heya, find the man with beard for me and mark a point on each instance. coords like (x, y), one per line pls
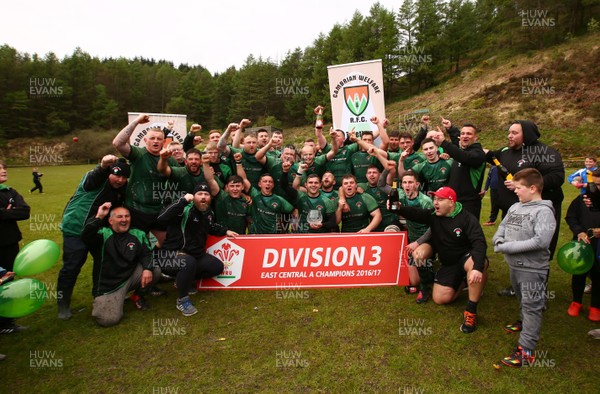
(524, 150)
(327, 186)
(468, 167)
(197, 169)
(183, 255)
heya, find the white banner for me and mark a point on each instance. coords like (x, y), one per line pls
(356, 93)
(179, 129)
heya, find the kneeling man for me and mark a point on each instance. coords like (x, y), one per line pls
(458, 239)
(122, 263)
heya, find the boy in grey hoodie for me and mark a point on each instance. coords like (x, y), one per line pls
(524, 237)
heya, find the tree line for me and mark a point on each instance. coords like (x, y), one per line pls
(420, 43)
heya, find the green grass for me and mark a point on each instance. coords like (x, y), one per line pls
(345, 340)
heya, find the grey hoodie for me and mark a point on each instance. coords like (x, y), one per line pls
(525, 234)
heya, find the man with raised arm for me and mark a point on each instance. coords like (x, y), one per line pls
(143, 197)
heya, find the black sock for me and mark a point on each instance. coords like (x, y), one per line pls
(471, 307)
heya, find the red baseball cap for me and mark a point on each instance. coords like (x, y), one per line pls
(445, 192)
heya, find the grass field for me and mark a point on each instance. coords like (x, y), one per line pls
(347, 340)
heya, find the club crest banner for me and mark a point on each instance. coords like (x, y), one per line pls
(178, 132)
(309, 261)
(356, 93)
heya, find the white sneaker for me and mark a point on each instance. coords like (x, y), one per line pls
(595, 333)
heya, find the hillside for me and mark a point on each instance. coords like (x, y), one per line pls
(559, 88)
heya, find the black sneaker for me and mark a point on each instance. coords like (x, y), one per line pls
(165, 278)
(140, 302)
(469, 322)
(519, 358)
(157, 292)
(507, 292)
(9, 329)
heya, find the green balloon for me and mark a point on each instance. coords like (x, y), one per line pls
(36, 257)
(576, 258)
(21, 297)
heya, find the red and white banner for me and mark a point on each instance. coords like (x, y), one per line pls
(178, 133)
(356, 93)
(309, 261)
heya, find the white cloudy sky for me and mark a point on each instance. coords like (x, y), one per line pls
(215, 34)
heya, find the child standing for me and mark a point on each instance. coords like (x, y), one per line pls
(524, 237)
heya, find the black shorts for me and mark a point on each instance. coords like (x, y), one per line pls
(453, 275)
(145, 221)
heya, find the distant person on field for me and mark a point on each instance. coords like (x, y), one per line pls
(36, 180)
